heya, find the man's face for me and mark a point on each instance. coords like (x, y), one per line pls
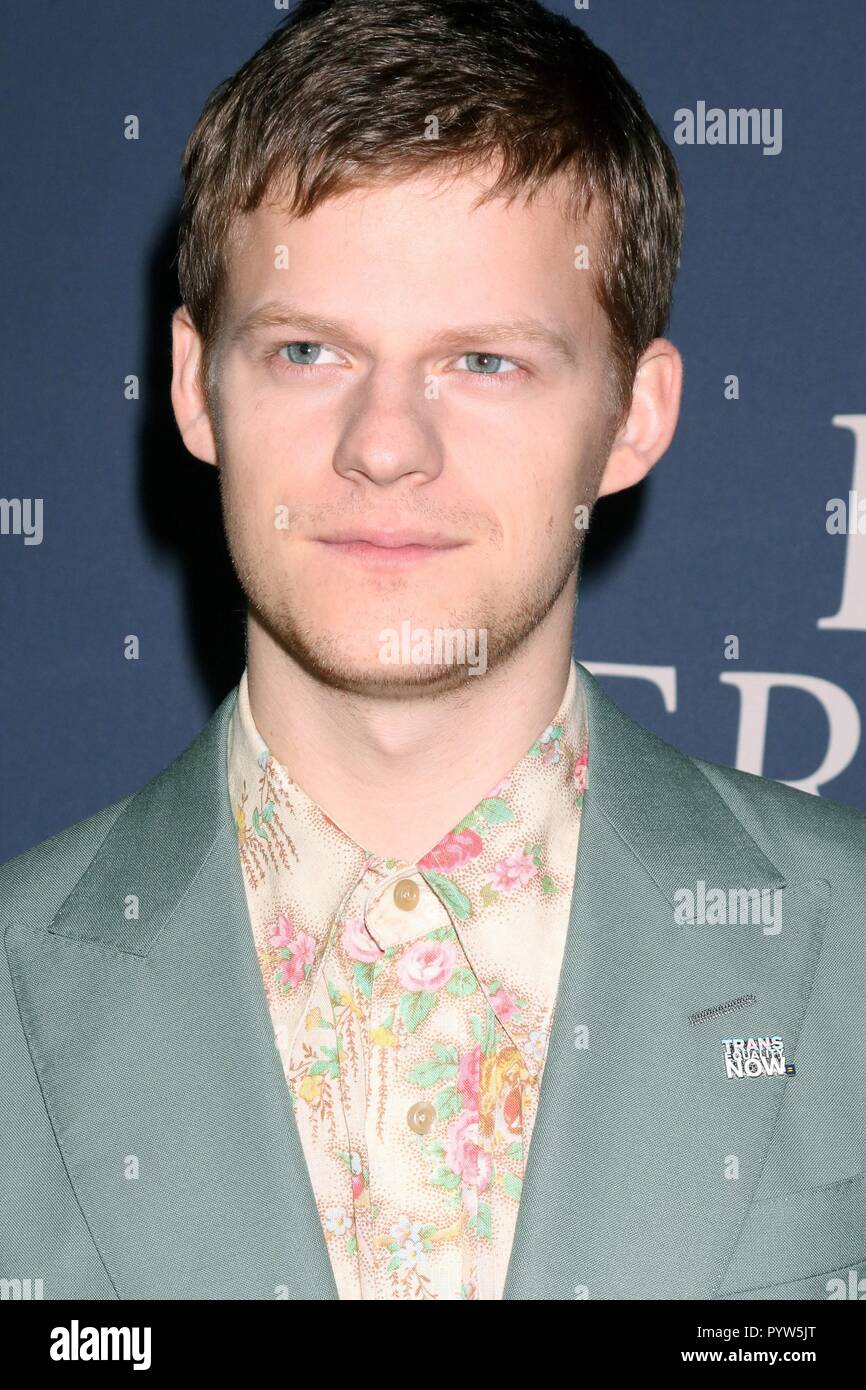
(405, 417)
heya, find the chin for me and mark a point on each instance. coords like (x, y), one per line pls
(338, 655)
(361, 676)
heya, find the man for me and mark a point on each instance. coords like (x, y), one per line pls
(425, 973)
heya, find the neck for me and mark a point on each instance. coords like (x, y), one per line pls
(396, 775)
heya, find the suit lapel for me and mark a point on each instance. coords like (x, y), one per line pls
(156, 1055)
(626, 1194)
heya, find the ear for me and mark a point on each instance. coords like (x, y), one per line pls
(187, 395)
(651, 421)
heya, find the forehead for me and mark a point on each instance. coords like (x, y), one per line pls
(420, 249)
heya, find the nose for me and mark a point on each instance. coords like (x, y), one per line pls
(391, 431)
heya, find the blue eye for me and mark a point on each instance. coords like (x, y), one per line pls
(489, 361)
(308, 353)
(303, 349)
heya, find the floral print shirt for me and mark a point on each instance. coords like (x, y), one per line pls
(412, 1006)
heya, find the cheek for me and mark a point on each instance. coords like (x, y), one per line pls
(255, 425)
(542, 520)
(257, 467)
(535, 505)
(251, 504)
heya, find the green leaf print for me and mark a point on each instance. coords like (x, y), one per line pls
(441, 934)
(483, 1222)
(494, 810)
(331, 1069)
(449, 893)
(268, 812)
(484, 1033)
(448, 1103)
(514, 1150)
(427, 1072)
(491, 811)
(431, 1071)
(512, 1186)
(364, 978)
(330, 1063)
(462, 982)
(414, 1008)
(257, 825)
(446, 1178)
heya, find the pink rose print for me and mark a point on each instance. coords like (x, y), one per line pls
(427, 965)
(282, 933)
(358, 943)
(504, 1003)
(499, 788)
(580, 767)
(463, 1154)
(515, 870)
(453, 851)
(302, 947)
(469, 1077)
(290, 972)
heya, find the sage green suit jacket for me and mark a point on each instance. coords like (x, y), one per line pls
(144, 1044)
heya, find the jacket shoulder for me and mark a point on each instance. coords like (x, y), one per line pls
(34, 885)
(799, 831)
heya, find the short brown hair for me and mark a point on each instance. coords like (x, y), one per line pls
(342, 94)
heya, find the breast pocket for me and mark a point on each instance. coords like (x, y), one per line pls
(797, 1245)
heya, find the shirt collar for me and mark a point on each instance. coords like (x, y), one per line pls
(499, 867)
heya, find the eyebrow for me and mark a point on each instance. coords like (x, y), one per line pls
(277, 314)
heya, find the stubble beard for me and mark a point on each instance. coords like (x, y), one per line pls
(509, 618)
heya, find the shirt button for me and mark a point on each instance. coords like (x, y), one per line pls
(406, 894)
(420, 1117)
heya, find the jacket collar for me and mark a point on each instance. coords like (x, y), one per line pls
(150, 1032)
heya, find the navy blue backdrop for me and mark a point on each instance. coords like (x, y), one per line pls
(728, 538)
